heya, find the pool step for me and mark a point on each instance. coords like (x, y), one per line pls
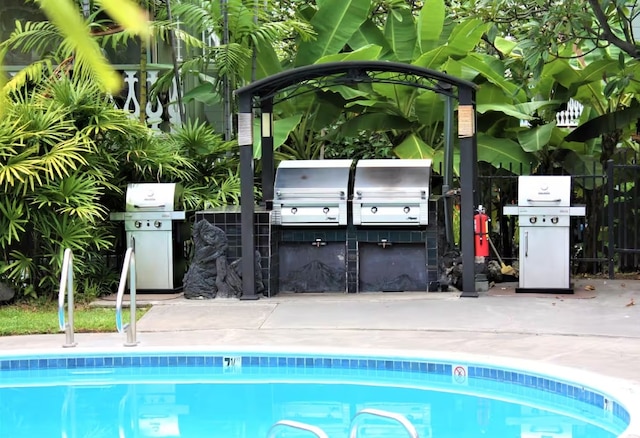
(353, 430)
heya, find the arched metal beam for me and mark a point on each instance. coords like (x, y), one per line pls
(355, 71)
(352, 72)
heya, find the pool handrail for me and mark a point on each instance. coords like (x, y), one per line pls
(128, 271)
(410, 428)
(66, 288)
(319, 433)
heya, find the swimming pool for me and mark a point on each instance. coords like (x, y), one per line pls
(243, 392)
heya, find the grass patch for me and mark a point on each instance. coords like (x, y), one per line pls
(31, 319)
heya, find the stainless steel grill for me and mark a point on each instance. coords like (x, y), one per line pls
(311, 193)
(150, 212)
(391, 192)
(544, 212)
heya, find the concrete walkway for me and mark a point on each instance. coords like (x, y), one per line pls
(597, 329)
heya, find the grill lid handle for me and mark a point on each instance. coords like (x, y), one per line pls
(543, 200)
(149, 206)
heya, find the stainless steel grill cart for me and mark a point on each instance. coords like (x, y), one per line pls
(149, 216)
(544, 211)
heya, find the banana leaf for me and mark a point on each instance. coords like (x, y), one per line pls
(401, 35)
(281, 130)
(430, 24)
(534, 139)
(334, 23)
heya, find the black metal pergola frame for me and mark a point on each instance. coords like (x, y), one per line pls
(261, 94)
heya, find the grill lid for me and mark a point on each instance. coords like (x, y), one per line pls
(312, 179)
(544, 191)
(392, 178)
(153, 197)
(391, 192)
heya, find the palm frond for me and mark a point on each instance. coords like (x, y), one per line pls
(199, 16)
(77, 195)
(34, 73)
(62, 158)
(40, 37)
(20, 173)
(13, 220)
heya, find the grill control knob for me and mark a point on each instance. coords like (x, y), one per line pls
(554, 220)
(325, 210)
(137, 224)
(374, 210)
(533, 219)
(294, 210)
(157, 224)
(407, 209)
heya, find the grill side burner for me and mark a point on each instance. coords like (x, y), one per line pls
(391, 192)
(544, 214)
(311, 193)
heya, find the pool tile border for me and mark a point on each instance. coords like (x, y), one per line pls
(243, 361)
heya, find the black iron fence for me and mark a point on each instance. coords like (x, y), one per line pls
(623, 236)
(605, 241)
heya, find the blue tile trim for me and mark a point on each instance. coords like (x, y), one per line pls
(440, 369)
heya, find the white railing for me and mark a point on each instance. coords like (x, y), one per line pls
(128, 273)
(570, 117)
(66, 288)
(154, 109)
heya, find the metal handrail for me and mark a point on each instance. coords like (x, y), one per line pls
(410, 428)
(128, 270)
(66, 287)
(297, 425)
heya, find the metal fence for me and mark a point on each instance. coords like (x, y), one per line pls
(606, 241)
(623, 176)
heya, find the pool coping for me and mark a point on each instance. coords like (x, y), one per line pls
(626, 393)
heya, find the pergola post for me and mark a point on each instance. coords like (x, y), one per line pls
(247, 201)
(468, 180)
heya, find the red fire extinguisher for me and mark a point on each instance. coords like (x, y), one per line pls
(481, 227)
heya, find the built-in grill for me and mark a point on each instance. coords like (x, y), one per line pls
(391, 213)
(150, 212)
(391, 192)
(311, 193)
(544, 211)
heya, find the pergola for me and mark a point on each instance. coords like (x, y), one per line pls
(262, 95)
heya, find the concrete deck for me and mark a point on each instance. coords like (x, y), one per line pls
(596, 330)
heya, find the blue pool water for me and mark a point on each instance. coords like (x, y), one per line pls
(244, 394)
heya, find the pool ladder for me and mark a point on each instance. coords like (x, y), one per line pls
(67, 289)
(128, 272)
(353, 430)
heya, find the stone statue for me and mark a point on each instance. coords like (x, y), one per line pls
(210, 275)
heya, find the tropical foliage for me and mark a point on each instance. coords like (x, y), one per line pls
(66, 153)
